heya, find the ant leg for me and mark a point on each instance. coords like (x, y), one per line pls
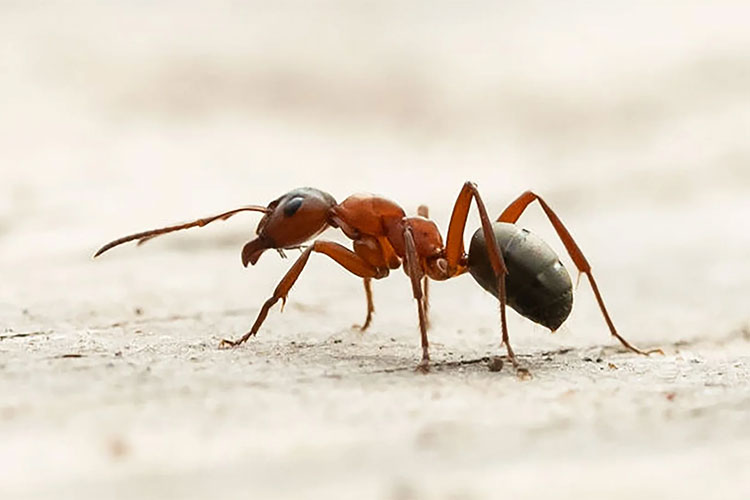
(370, 304)
(342, 255)
(455, 254)
(426, 300)
(511, 215)
(424, 211)
(414, 270)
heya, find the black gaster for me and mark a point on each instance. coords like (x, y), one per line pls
(538, 286)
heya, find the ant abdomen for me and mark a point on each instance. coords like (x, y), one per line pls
(538, 286)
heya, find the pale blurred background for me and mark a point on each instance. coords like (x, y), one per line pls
(631, 118)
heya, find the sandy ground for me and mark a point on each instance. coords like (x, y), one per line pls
(632, 120)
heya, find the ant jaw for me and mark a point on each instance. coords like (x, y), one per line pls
(252, 251)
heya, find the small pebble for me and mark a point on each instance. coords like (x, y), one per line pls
(495, 364)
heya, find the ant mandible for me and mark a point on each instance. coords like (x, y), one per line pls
(384, 238)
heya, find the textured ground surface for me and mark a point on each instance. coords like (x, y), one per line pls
(632, 121)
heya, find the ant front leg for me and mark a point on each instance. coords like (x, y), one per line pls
(342, 255)
(414, 270)
(456, 255)
(424, 211)
(511, 215)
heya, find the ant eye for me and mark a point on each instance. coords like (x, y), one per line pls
(291, 206)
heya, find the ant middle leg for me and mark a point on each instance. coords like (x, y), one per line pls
(371, 252)
(342, 255)
(370, 304)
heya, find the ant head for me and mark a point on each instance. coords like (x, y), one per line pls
(291, 220)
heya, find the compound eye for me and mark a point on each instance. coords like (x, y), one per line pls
(291, 206)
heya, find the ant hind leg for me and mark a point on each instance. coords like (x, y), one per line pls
(511, 215)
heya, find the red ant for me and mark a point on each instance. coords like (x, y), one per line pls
(384, 238)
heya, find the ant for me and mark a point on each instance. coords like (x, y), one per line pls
(525, 275)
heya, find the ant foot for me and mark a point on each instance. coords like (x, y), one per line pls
(367, 322)
(362, 328)
(645, 353)
(636, 350)
(523, 373)
(654, 351)
(227, 344)
(423, 367)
